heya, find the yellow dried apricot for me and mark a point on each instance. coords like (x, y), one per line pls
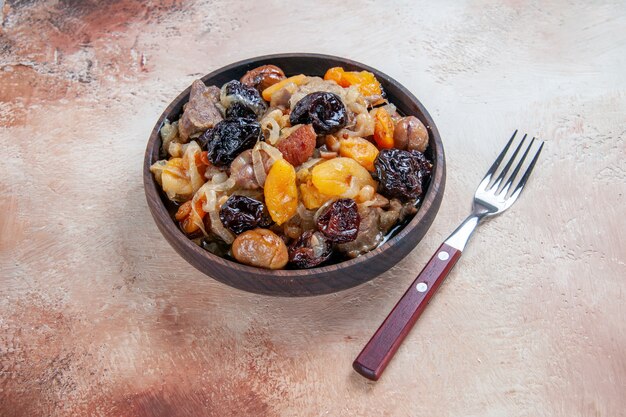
(365, 81)
(341, 177)
(383, 128)
(281, 193)
(361, 150)
(311, 196)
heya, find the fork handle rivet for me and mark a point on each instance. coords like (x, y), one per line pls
(444, 256)
(421, 287)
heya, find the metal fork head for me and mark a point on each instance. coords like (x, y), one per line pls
(497, 193)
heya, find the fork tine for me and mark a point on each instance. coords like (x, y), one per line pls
(529, 170)
(499, 159)
(506, 169)
(509, 182)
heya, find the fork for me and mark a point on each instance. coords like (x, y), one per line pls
(494, 194)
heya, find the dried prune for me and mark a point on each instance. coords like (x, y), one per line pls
(401, 174)
(339, 222)
(240, 111)
(324, 110)
(235, 92)
(229, 138)
(309, 250)
(240, 213)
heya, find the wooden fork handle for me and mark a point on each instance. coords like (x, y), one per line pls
(375, 356)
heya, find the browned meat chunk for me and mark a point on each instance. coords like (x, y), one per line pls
(375, 224)
(299, 146)
(201, 112)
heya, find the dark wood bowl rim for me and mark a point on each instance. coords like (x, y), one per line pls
(173, 232)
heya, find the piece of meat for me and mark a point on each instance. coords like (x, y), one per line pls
(299, 145)
(369, 235)
(282, 96)
(376, 222)
(201, 112)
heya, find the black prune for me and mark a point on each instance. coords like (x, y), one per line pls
(240, 213)
(325, 111)
(240, 111)
(235, 92)
(309, 250)
(340, 221)
(229, 138)
(401, 174)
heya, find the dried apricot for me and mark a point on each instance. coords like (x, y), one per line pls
(383, 128)
(361, 150)
(190, 215)
(311, 196)
(281, 193)
(365, 81)
(342, 177)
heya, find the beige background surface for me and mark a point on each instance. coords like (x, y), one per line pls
(100, 317)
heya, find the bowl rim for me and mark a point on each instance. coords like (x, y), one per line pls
(159, 211)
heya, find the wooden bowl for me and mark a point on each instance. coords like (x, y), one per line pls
(321, 280)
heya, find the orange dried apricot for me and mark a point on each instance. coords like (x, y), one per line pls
(365, 81)
(189, 219)
(383, 129)
(361, 150)
(341, 177)
(281, 193)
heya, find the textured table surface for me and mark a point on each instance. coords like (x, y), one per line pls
(100, 317)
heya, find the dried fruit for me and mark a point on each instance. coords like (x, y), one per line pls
(311, 197)
(263, 77)
(180, 178)
(309, 250)
(240, 111)
(234, 92)
(383, 128)
(366, 82)
(325, 111)
(401, 174)
(341, 177)
(410, 134)
(361, 150)
(339, 222)
(281, 194)
(229, 138)
(241, 213)
(269, 91)
(298, 146)
(261, 248)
